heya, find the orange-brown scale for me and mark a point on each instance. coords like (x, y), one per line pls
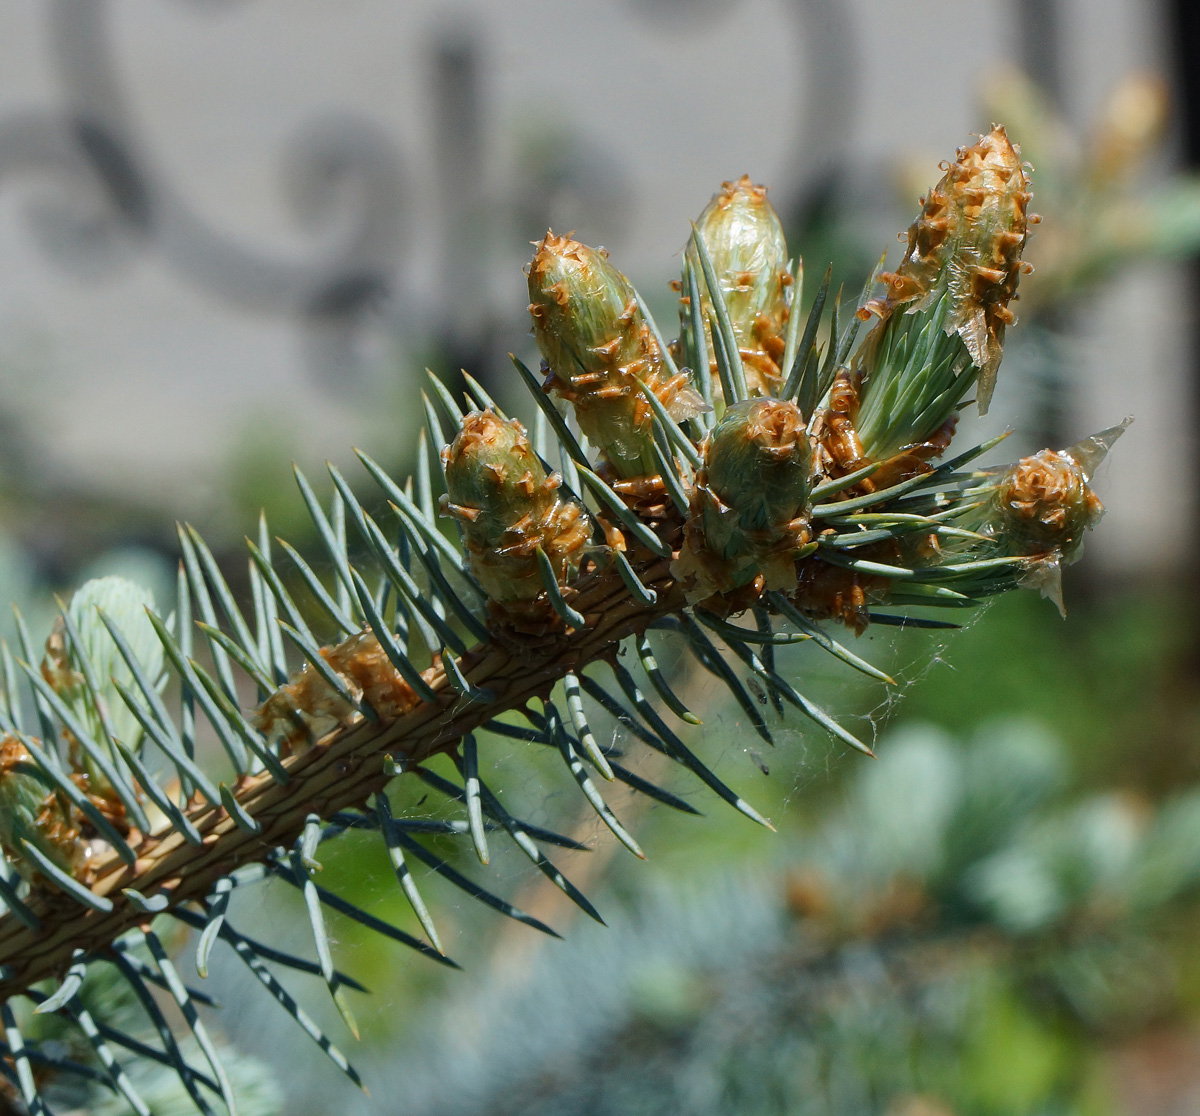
(646, 495)
(106, 801)
(840, 449)
(56, 820)
(306, 707)
(825, 592)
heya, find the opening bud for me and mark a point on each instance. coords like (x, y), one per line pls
(959, 274)
(748, 521)
(1042, 506)
(1043, 503)
(507, 508)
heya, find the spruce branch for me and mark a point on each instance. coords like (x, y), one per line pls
(341, 773)
(687, 495)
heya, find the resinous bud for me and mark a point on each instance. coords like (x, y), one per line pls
(597, 346)
(966, 246)
(744, 239)
(507, 507)
(749, 510)
(30, 811)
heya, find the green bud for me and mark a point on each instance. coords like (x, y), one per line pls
(749, 507)
(597, 346)
(745, 241)
(507, 507)
(31, 811)
(125, 605)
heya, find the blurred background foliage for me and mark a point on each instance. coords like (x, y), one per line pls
(998, 916)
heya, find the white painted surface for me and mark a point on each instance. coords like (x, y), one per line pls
(141, 379)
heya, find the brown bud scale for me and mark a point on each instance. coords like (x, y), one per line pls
(307, 707)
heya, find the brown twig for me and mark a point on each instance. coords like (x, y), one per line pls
(341, 772)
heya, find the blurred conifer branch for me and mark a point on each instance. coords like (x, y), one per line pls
(991, 938)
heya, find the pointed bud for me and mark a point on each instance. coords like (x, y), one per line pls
(960, 271)
(597, 346)
(125, 605)
(31, 811)
(750, 503)
(1042, 506)
(744, 238)
(1043, 503)
(507, 507)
